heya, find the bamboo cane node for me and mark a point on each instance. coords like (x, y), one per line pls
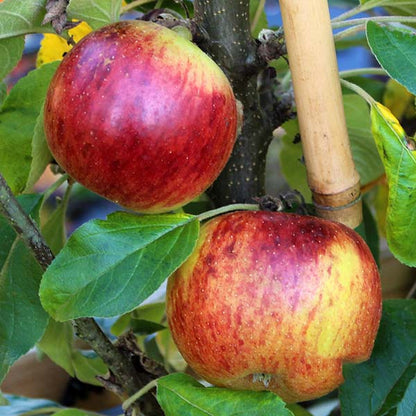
(338, 208)
(344, 207)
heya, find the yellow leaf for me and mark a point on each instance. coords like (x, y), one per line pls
(53, 47)
(391, 119)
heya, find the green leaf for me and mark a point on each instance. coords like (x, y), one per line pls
(58, 344)
(109, 267)
(385, 382)
(3, 92)
(3, 400)
(171, 5)
(53, 229)
(407, 406)
(398, 100)
(11, 51)
(400, 166)
(41, 155)
(291, 160)
(298, 410)
(364, 151)
(23, 320)
(394, 49)
(96, 13)
(180, 394)
(369, 231)
(88, 366)
(18, 120)
(74, 412)
(21, 406)
(22, 17)
(145, 319)
(258, 17)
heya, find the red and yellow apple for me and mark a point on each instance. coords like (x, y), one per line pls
(275, 301)
(141, 116)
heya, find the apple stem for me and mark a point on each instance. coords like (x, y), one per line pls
(227, 208)
(136, 396)
(358, 90)
(332, 177)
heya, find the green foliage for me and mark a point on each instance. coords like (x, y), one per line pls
(41, 156)
(258, 17)
(96, 13)
(392, 45)
(3, 92)
(395, 7)
(400, 165)
(54, 229)
(109, 267)
(385, 384)
(369, 231)
(58, 344)
(144, 320)
(11, 52)
(74, 412)
(19, 122)
(364, 151)
(19, 18)
(180, 394)
(291, 159)
(298, 410)
(22, 406)
(170, 5)
(23, 320)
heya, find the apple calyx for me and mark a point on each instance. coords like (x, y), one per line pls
(264, 378)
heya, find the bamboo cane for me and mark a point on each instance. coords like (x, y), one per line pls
(332, 177)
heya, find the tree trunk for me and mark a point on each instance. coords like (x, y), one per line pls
(227, 28)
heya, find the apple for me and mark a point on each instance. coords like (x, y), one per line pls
(275, 301)
(141, 116)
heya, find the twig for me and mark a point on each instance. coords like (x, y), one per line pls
(358, 90)
(364, 20)
(149, 386)
(362, 71)
(86, 328)
(381, 180)
(24, 225)
(411, 292)
(227, 208)
(134, 4)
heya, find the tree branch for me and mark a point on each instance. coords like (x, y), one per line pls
(228, 40)
(24, 225)
(119, 363)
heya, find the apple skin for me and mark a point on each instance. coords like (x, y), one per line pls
(275, 301)
(141, 116)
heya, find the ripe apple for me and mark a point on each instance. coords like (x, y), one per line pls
(275, 301)
(141, 116)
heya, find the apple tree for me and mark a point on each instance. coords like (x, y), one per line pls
(184, 112)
